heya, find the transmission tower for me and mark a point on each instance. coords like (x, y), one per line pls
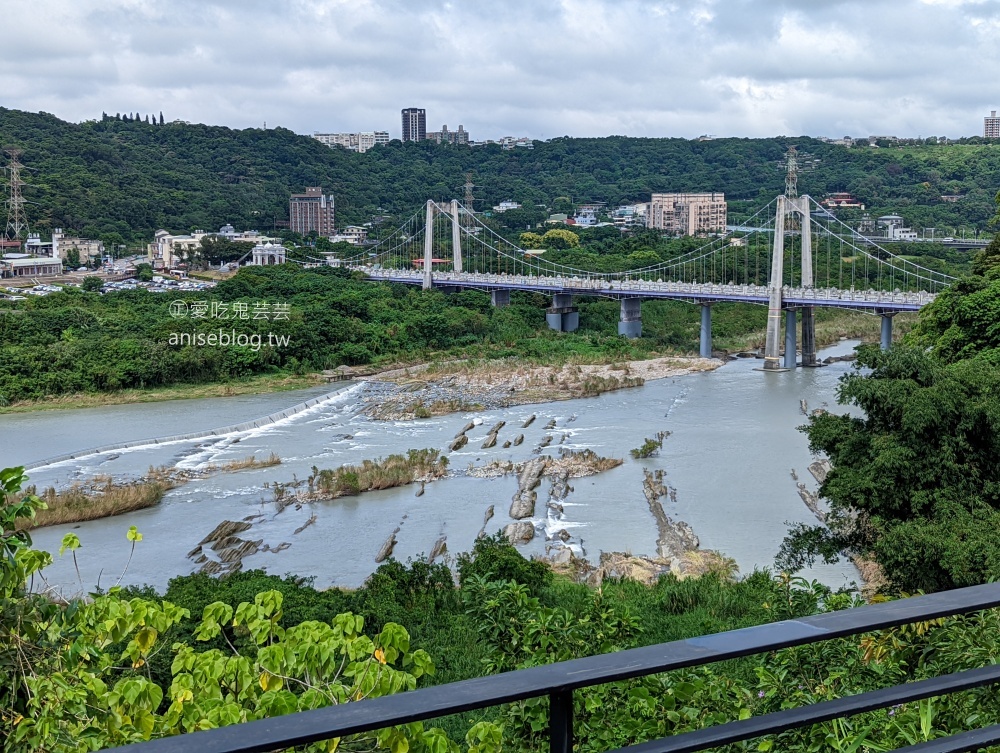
(791, 186)
(469, 185)
(791, 174)
(17, 222)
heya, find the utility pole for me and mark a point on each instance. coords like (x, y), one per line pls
(17, 222)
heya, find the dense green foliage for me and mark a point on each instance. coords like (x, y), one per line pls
(131, 665)
(915, 480)
(122, 180)
(83, 342)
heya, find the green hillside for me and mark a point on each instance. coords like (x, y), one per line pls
(114, 176)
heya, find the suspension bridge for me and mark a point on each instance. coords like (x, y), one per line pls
(791, 256)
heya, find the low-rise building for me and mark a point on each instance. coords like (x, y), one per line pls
(842, 200)
(356, 235)
(27, 265)
(167, 250)
(687, 213)
(503, 206)
(892, 226)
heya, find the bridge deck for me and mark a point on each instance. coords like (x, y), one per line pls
(688, 291)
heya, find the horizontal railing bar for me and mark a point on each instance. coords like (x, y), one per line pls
(304, 727)
(803, 716)
(963, 742)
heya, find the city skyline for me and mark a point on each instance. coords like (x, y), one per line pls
(576, 67)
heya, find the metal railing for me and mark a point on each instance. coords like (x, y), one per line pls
(558, 681)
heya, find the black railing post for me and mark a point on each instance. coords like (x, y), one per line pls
(561, 721)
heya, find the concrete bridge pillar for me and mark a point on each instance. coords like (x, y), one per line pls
(886, 342)
(630, 324)
(705, 351)
(790, 338)
(500, 298)
(562, 316)
(809, 336)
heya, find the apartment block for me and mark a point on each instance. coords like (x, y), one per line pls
(354, 142)
(310, 211)
(414, 124)
(444, 136)
(687, 213)
(991, 126)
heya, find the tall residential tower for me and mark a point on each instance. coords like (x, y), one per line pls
(414, 124)
(311, 211)
(991, 126)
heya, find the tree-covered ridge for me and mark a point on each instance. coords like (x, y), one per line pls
(133, 177)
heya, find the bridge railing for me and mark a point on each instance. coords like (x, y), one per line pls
(559, 681)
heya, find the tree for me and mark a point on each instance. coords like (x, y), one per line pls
(144, 272)
(560, 238)
(73, 258)
(914, 482)
(530, 240)
(76, 677)
(92, 284)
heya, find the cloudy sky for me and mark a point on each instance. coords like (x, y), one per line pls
(539, 68)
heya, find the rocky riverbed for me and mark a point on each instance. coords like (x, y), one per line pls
(437, 389)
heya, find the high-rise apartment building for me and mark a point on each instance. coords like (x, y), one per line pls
(991, 126)
(414, 124)
(687, 213)
(444, 136)
(310, 211)
(355, 142)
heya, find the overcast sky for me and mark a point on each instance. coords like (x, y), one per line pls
(538, 68)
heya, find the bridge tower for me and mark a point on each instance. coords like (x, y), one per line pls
(452, 213)
(792, 215)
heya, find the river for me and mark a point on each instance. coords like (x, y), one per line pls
(733, 444)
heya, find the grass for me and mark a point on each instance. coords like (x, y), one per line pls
(102, 498)
(384, 473)
(244, 464)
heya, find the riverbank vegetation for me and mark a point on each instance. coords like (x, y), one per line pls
(132, 664)
(383, 473)
(75, 342)
(915, 485)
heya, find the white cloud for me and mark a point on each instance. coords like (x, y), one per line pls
(541, 68)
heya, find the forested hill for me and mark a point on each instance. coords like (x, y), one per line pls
(131, 178)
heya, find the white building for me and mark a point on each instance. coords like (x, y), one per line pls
(354, 142)
(167, 251)
(267, 254)
(353, 234)
(503, 206)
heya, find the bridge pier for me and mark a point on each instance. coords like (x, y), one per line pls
(630, 324)
(809, 336)
(500, 298)
(428, 281)
(562, 316)
(790, 338)
(705, 351)
(886, 341)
